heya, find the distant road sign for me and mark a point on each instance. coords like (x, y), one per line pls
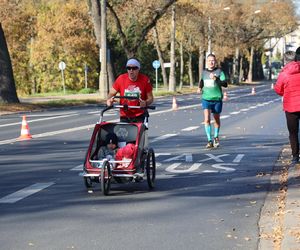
(167, 65)
(156, 64)
(62, 65)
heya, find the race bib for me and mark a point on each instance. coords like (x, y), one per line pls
(209, 83)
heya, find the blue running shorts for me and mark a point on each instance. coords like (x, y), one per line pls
(214, 106)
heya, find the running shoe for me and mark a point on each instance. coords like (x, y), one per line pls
(216, 142)
(209, 144)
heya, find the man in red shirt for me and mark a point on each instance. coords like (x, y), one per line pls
(132, 84)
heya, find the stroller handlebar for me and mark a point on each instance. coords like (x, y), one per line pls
(125, 106)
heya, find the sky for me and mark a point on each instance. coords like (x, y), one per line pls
(297, 3)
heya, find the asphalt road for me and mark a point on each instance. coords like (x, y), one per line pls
(204, 199)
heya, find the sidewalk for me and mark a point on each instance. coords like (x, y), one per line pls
(280, 217)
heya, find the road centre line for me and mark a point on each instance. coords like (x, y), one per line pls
(37, 120)
(25, 192)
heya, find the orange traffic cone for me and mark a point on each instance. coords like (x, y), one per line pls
(174, 105)
(25, 135)
(253, 91)
(225, 97)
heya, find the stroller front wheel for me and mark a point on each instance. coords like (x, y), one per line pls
(105, 178)
(150, 168)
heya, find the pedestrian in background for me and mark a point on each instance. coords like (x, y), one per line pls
(210, 85)
(288, 86)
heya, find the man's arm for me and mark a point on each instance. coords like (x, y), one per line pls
(148, 101)
(111, 94)
(221, 80)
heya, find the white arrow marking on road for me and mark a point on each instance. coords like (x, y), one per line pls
(25, 192)
(172, 168)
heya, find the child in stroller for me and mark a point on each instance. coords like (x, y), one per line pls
(110, 148)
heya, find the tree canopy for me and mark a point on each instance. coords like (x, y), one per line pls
(40, 33)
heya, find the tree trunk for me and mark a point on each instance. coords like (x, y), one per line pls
(201, 62)
(8, 93)
(181, 66)
(172, 78)
(96, 17)
(103, 81)
(236, 66)
(241, 73)
(160, 58)
(190, 65)
(251, 65)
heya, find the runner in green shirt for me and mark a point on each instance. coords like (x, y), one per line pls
(210, 85)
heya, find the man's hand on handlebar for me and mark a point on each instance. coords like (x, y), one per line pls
(110, 101)
(143, 103)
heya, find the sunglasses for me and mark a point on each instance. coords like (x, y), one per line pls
(132, 68)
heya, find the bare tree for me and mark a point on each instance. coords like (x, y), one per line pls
(160, 58)
(131, 49)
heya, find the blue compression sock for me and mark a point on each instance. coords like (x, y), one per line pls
(216, 134)
(208, 132)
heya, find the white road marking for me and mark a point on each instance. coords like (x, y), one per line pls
(163, 137)
(224, 169)
(213, 157)
(177, 157)
(25, 192)
(50, 133)
(37, 120)
(159, 154)
(238, 158)
(172, 168)
(224, 116)
(235, 113)
(78, 168)
(190, 128)
(210, 171)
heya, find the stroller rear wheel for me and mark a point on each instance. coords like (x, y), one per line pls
(150, 168)
(105, 178)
